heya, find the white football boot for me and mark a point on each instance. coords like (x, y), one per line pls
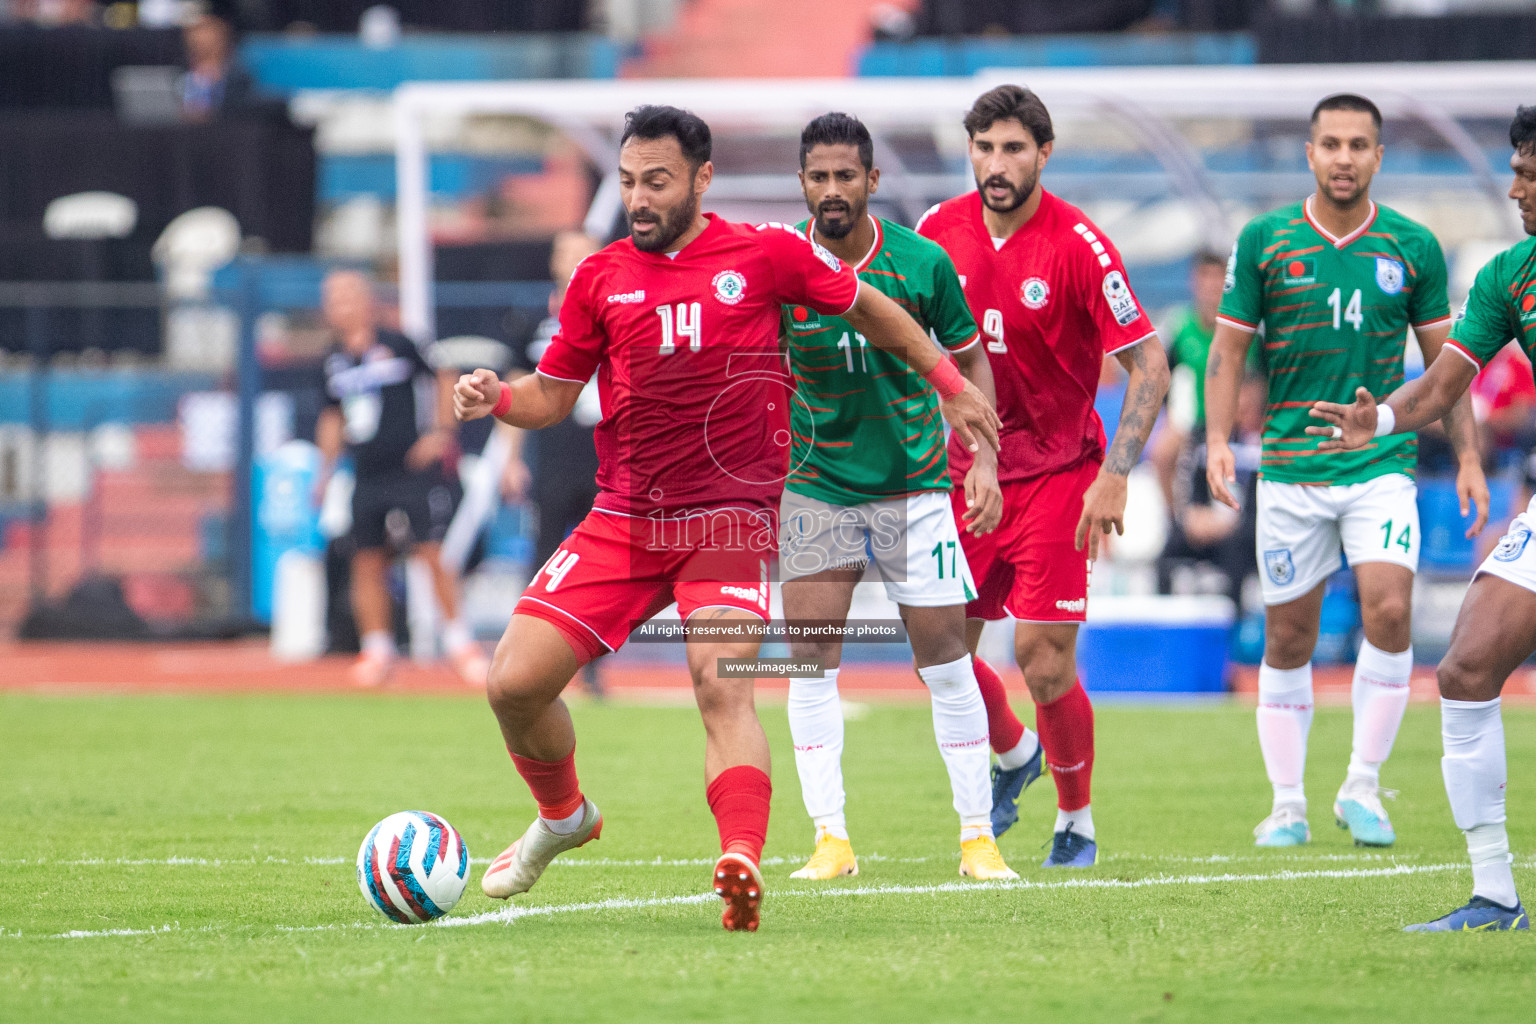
(521, 864)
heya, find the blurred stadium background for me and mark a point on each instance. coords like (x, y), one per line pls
(163, 240)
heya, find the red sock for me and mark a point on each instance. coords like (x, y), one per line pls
(1066, 733)
(553, 784)
(738, 798)
(1002, 723)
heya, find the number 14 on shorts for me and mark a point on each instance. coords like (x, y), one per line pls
(1403, 539)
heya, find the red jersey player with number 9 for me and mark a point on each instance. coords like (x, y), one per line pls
(679, 321)
(1052, 299)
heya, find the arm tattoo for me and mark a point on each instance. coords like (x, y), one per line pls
(1143, 398)
(1213, 365)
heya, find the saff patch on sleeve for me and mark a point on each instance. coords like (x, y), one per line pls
(1121, 302)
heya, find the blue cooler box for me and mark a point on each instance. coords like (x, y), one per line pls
(1155, 644)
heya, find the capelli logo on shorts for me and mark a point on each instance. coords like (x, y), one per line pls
(1080, 605)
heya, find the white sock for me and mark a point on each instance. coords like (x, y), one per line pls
(1081, 821)
(1285, 718)
(1019, 756)
(816, 727)
(1380, 696)
(960, 726)
(1475, 777)
(457, 635)
(565, 826)
(975, 830)
(834, 825)
(379, 644)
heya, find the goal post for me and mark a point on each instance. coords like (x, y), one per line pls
(1152, 110)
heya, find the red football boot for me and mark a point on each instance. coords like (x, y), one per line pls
(740, 884)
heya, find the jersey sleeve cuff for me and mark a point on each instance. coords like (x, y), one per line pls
(555, 376)
(857, 284)
(1232, 321)
(1464, 352)
(1431, 324)
(1131, 344)
(975, 339)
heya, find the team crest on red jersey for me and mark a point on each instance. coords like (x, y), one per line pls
(1034, 293)
(729, 287)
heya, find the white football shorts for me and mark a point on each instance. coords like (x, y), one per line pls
(1303, 528)
(1515, 557)
(913, 542)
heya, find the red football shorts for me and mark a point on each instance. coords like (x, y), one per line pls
(1028, 567)
(614, 572)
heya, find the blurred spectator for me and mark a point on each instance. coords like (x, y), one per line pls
(393, 413)
(50, 12)
(214, 83)
(557, 467)
(1204, 535)
(559, 471)
(1187, 336)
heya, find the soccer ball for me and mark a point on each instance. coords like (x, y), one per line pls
(412, 867)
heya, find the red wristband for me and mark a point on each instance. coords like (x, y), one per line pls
(504, 402)
(946, 378)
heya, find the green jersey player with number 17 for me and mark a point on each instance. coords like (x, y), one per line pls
(1496, 630)
(869, 481)
(1335, 281)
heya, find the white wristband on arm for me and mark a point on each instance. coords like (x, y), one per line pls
(1386, 420)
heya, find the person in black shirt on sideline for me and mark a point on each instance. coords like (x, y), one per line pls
(556, 468)
(394, 414)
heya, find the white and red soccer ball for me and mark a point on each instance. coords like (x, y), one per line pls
(413, 867)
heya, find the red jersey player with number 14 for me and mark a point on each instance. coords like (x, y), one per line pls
(1052, 299)
(680, 323)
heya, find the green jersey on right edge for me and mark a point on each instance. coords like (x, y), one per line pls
(1500, 307)
(1335, 313)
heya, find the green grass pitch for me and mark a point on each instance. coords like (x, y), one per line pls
(204, 845)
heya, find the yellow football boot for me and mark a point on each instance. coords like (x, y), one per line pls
(832, 859)
(981, 860)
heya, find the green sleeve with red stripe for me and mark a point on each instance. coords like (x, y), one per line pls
(1242, 299)
(1484, 324)
(945, 310)
(1428, 303)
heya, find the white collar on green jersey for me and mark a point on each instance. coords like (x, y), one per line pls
(1338, 243)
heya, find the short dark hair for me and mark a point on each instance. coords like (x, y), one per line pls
(1010, 101)
(1348, 101)
(1208, 258)
(653, 121)
(838, 129)
(1522, 131)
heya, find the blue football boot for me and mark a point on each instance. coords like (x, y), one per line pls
(1008, 784)
(1358, 808)
(1286, 826)
(1071, 850)
(1479, 915)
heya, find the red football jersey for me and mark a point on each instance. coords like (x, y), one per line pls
(695, 392)
(1051, 302)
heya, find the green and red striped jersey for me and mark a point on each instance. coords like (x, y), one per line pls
(1335, 313)
(864, 426)
(1500, 307)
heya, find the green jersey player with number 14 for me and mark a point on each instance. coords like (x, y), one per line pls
(1496, 630)
(1335, 281)
(869, 482)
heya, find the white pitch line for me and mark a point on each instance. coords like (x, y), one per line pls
(513, 913)
(675, 862)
